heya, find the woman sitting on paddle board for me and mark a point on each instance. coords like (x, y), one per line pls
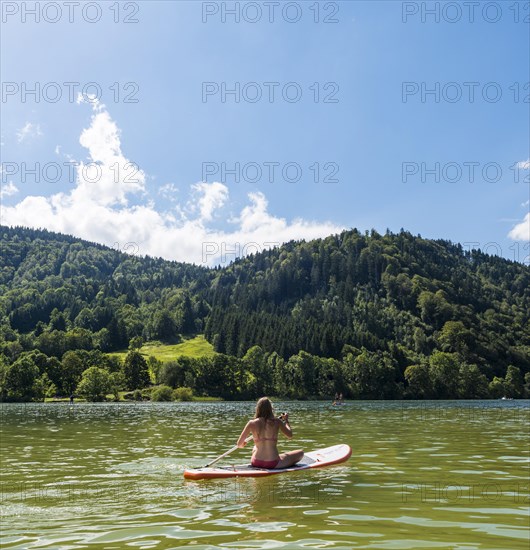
(264, 428)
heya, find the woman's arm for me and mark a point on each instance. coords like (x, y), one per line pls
(244, 434)
(285, 426)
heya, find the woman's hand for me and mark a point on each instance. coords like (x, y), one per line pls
(285, 426)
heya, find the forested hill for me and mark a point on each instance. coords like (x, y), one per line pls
(397, 293)
(396, 298)
(50, 281)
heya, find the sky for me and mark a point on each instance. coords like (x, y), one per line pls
(201, 131)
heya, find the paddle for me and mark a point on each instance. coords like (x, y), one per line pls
(227, 453)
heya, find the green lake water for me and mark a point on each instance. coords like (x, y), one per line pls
(422, 475)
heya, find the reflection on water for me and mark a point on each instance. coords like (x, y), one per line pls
(422, 475)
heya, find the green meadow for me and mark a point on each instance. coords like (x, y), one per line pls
(192, 347)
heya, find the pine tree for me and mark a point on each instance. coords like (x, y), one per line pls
(135, 371)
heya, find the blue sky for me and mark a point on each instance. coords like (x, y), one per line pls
(347, 106)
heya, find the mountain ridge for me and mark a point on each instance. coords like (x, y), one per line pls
(397, 296)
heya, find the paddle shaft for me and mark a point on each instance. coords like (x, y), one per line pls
(227, 452)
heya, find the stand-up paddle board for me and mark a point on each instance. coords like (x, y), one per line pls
(313, 459)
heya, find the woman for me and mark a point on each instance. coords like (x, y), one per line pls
(264, 428)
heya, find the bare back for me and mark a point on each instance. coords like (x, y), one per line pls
(265, 434)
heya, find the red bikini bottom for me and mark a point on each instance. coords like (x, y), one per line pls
(269, 464)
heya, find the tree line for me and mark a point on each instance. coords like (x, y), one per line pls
(360, 374)
(372, 316)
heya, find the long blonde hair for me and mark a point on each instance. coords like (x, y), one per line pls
(264, 409)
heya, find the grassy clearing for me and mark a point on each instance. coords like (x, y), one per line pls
(194, 347)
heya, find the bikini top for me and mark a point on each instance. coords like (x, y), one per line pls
(275, 439)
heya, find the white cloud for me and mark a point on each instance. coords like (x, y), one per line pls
(521, 232)
(209, 198)
(92, 100)
(168, 191)
(28, 131)
(109, 177)
(99, 210)
(8, 190)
